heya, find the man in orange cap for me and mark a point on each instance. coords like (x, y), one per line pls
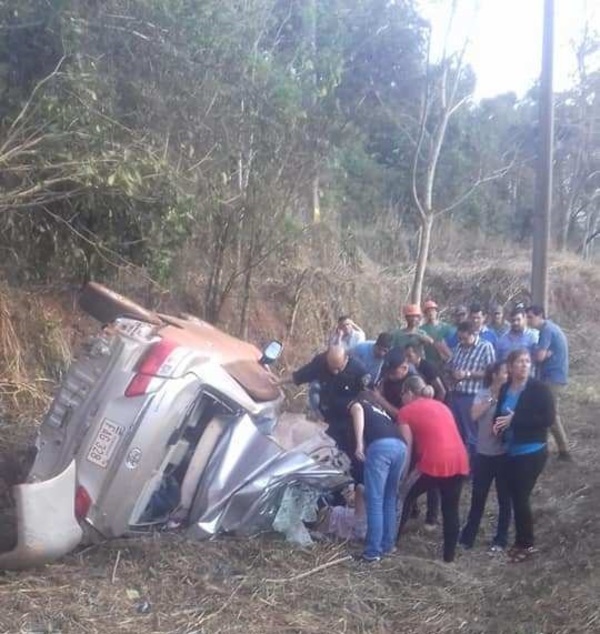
(412, 334)
(438, 352)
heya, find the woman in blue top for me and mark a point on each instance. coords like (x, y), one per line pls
(524, 413)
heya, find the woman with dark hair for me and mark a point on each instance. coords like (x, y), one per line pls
(441, 458)
(381, 447)
(489, 463)
(524, 413)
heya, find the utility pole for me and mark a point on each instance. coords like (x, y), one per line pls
(543, 200)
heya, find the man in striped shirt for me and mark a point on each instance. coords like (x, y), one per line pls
(467, 366)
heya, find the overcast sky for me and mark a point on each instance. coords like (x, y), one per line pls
(506, 37)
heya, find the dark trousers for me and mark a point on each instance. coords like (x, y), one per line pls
(433, 502)
(449, 489)
(433, 507)
(487, 469)
(523, 472)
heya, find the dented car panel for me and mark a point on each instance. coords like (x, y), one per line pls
(47, 526)
(161, 421)
(246, 477)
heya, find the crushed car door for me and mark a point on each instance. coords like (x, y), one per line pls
(245, 479)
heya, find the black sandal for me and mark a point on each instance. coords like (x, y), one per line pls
(517, 555)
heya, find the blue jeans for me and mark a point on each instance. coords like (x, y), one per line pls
(461, 404)
(384, 464)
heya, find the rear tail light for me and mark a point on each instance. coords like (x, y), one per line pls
(83, 501)
(138, 385)
(155, 362)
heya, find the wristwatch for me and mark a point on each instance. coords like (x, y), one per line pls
(492, 400)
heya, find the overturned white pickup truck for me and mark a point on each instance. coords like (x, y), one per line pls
(163, 422)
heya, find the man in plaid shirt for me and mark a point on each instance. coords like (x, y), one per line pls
(467, 366)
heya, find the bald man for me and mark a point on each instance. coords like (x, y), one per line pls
(341, 379)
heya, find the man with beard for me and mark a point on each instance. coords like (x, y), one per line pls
(372, 354)
(518, 337)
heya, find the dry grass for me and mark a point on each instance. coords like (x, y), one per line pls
(15, 383)
(167, 584)
(36, 338)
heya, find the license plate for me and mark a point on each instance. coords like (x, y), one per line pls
(104, 444)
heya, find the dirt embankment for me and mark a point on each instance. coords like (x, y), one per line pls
(40, 328)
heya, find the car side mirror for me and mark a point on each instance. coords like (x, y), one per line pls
(271, 352)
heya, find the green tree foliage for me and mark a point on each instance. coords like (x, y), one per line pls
(186, 137)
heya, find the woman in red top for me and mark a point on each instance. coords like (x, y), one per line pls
(441, 458)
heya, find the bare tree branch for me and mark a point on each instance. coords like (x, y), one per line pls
(25, 109)
(495, 175)
(421, 208)
(459, 104)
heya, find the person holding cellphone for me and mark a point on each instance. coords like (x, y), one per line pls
(490, 462)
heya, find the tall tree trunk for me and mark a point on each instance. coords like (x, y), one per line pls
(296, 303)
(212, 299)
(562, 233)
(247, 289)
(591, 233)
(314, 193)
(315, 200)
(563, 210)
(246, 303)
(213, 286)
(422, 257)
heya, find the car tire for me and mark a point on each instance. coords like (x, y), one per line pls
(105, 305)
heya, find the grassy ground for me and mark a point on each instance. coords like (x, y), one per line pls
(166, 584)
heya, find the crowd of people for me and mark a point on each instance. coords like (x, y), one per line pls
(426, 407)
